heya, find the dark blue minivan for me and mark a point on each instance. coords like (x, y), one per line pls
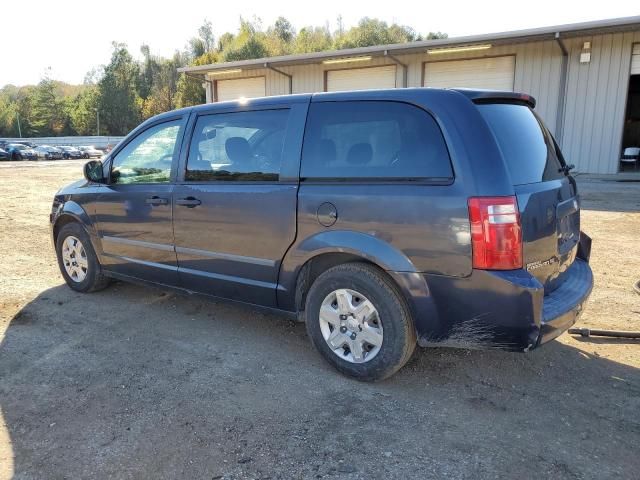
(383, 219)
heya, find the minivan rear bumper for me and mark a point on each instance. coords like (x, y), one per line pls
(505, 310)
(562, 307)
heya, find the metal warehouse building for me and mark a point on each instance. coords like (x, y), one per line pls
(585, 77)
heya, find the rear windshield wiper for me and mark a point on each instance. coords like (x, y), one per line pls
(566, 168)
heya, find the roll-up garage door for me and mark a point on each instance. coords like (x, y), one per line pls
(635, 60)
(361, 78)
(496, 73)
(240, 88)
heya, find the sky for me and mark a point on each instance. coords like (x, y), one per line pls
(71, 37)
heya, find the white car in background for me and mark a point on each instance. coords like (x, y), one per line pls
(91, 152)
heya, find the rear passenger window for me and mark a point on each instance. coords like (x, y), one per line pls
(241, 146)
(527, 147)
(375, 140)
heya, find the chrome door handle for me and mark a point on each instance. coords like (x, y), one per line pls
(188, 202)
(155, 200)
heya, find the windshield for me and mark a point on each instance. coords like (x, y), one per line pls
(527, 146)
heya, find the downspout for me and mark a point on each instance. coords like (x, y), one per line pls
(404, 66)
(208, 91)
(562, 90)
(289, 76)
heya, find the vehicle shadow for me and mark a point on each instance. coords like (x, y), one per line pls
(133, 382)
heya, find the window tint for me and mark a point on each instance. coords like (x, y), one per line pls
(241, 146)
(373, 140)
(148, 157)
(526, 145)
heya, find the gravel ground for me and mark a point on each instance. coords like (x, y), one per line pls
(134, 382)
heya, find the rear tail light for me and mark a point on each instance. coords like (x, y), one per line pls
(496, 234)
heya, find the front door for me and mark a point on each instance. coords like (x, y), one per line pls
(134, 212)
(235, 210)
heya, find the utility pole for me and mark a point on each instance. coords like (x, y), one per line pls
(19, 130)
(98, 119)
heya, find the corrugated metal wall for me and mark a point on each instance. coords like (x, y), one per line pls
(596, 101)
(595, 96)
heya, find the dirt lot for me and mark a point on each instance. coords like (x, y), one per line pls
(137, 383)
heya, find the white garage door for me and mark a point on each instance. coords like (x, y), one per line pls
(495, 73)
(361, 78)
(635, 60)
(240, 88)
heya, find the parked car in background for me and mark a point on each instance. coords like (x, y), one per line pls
(48, 152)
(70, 152)
(18, 151)
(3, 154)
(386, 219)
(90, 152)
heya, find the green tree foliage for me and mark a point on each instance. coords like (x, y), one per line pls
(83, 111)
(313, 39)
(126, 90)
(47, 116)
(248, 43)
(118, 101)
(371, 31)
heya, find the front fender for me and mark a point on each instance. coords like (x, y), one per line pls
(69, 210)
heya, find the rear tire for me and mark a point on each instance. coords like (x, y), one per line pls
(356, 287)
(78, 261)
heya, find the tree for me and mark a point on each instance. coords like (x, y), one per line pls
(118, 100)
(437, 35)
(284, 30)
(83, 111)
(312, 39)
(371, 31)
(148, 71)
(47, 116)
(163, 91)
(248, 44)
(206, 35)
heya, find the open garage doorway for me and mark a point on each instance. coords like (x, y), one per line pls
(630, 157)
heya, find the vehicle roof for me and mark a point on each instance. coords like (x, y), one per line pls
(400, 93)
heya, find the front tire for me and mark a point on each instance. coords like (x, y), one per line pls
(360, 323)
(78, 261)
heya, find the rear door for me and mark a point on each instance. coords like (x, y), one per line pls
(235, 206)
(547, 196)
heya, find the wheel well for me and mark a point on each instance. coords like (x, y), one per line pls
(62, 221)
(314, 267)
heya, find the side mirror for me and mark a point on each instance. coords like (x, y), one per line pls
(93, 171)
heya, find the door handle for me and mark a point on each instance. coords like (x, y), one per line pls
(188, 202)
(155, 200)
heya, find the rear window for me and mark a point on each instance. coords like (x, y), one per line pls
(373, 140)
(526, 145)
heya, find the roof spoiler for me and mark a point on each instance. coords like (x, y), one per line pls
(488, 96)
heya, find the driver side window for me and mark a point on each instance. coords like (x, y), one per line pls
(148, 157)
